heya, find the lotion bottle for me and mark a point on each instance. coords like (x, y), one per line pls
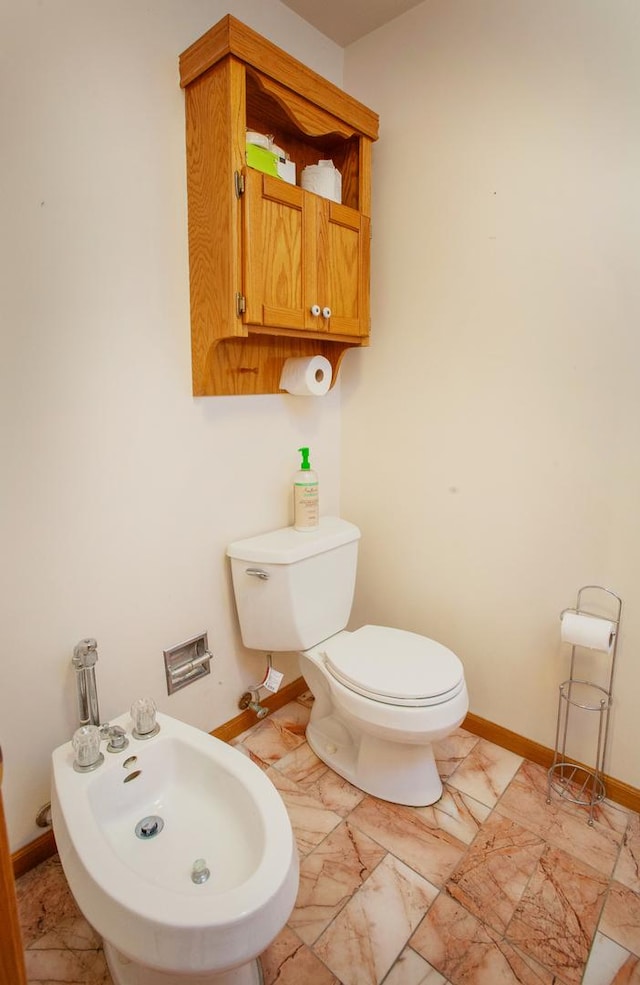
(306, 511)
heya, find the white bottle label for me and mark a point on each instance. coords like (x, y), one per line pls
(306, 514)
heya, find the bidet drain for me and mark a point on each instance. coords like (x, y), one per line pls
(149, 827)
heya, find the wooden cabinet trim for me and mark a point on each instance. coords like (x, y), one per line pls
(306, 115)
(231, 37)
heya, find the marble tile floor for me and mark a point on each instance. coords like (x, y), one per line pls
(490, 886)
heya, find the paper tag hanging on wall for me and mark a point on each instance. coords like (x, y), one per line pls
(273, 680)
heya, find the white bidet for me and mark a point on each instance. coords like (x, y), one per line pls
(179, 851)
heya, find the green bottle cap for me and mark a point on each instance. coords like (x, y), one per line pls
(305, 458)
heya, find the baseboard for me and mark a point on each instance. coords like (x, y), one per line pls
(30, 855)
(44, 847)
(621, 793)
(247, 718)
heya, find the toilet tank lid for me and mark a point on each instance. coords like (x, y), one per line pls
(286, 545)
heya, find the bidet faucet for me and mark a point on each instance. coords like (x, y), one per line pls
(85, 655)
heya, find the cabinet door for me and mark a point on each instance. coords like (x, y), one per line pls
(280, 254)
(302, 255)
(343, 256)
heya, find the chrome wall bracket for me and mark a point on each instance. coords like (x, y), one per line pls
(187, 662)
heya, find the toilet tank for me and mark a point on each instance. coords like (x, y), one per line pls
(295, 589)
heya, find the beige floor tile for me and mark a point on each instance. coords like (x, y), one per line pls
(336, 793)
(605, 813)
(329, 876)
(627, 870)
(486, 772)
(301, 765)
(367, 936)
(76, 967)
(44, 900)
(273, 738)
(621, 917)
(455, 813)
(493, 875)
(250, 755)
(304, 768)
(288, 961)
(293, 716)
(72, 933)
(466, 952)
(611, 964)
(525, 801)
(556, 920)
(452, 751)
(310, 819)
(401, 830)
(411, 969)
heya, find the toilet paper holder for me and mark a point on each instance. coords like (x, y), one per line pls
(569, 779)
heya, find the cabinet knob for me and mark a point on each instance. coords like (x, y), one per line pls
(315, 310)
(326, 312)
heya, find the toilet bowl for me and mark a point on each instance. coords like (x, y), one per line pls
(179, 852)
(383, 696)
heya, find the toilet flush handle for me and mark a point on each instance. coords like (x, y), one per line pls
(258, 573)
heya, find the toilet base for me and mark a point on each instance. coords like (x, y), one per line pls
(126, 972)
(402, 773)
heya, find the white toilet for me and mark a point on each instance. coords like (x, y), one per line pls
(382, 696)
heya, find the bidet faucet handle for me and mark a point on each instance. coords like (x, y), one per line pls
(143, 714)
(86, 746)
(117, 738)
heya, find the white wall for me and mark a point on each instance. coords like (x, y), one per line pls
(490, 435)
(120, 490)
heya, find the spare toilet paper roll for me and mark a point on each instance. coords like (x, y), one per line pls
(306, 376)
(590, 631)
(259, 139)
(323, 179)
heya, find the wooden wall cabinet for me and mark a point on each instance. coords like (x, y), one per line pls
(266, 255)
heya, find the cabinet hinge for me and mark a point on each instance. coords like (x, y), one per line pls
(241, 304)
(238, 180)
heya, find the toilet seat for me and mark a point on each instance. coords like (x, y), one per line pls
(394, 667)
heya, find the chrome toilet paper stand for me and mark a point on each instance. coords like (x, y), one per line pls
(567, 778)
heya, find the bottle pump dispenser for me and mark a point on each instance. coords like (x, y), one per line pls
(306, 513)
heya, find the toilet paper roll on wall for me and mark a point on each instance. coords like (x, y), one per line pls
(306, 376)
(590, 631)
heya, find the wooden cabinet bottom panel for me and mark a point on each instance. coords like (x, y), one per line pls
(254, 365)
